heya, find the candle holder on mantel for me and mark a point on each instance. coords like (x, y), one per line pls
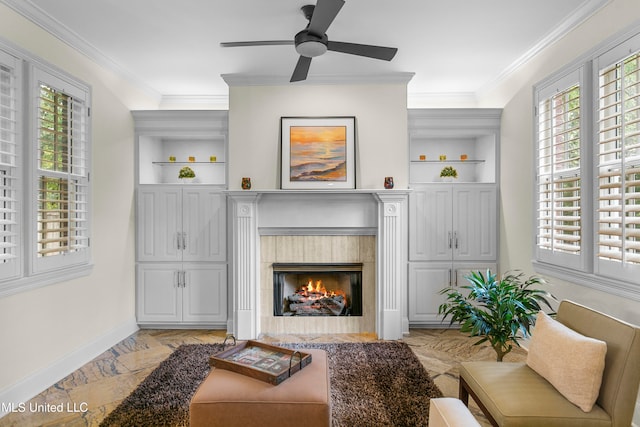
(388, 182)
(246, 183)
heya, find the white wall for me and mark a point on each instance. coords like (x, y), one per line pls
(516, 97)
(381, 129)
(53, 330)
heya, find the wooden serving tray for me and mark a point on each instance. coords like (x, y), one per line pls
(261, 361)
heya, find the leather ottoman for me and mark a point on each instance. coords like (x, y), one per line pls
(228, 399)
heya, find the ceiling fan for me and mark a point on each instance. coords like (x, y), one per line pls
(313, 40)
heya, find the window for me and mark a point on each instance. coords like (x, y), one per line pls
(559, 212)
(618, 163)
(588, 169)
(44, 174)
(61, 180)
(9, 171)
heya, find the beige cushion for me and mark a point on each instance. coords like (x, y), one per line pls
(450, 412)
(571, 362)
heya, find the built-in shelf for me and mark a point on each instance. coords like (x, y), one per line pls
(448, 161)
(168, 141)
(453, 135)
(186, 163)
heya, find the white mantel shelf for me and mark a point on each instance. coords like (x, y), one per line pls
(321, 191)
(380, 212)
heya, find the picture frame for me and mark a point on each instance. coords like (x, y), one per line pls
(317, 153)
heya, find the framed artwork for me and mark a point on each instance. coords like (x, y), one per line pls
(317, 152)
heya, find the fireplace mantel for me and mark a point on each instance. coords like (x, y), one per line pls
(321, 212)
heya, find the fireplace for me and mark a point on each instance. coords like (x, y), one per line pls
(317, 289)
(349, 226)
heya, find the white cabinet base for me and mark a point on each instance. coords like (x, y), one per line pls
(177, 295)
(427, 279)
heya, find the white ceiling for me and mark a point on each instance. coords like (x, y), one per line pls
(455, 47)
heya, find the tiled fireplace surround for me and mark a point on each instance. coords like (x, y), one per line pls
(367, 226)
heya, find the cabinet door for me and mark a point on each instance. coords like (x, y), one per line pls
(205, 293)
(158, 295)
(430, 237)
(475, 223)
(462, 270)
(159, 224)
(204, 224)
(425, 283)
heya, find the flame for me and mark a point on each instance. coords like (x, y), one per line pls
(319, 290)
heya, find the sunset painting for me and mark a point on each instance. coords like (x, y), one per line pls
(318, 153)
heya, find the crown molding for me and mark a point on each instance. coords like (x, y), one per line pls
(442, 99)
(33, 13)
(215, 102)
(241, 79)
(584, 12)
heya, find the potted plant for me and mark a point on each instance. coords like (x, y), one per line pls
(186, 173)
(500, 311)
(448, 173)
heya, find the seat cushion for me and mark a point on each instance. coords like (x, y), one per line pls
(227, 399)
(571, 362)
(516, 396)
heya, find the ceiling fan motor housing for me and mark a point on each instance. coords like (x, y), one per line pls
(310, 45)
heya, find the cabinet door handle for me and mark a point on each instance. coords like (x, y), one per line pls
(450, 281)
(184, 241)
(455, 238)
(178, 241)
(184, 279)
(449, 234)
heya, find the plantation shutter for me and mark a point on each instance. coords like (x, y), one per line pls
(9, 171)
(559, 215)
(62, 176)
(618, 232)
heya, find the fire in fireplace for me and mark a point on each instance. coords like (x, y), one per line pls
(301, 289)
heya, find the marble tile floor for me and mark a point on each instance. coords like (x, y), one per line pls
(87, 395)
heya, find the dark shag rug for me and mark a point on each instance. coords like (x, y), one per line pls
(372, 384)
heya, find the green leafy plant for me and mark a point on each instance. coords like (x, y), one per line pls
(501, 311)
(186, 172)
(449, 171)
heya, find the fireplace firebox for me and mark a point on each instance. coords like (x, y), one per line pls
(303, 289)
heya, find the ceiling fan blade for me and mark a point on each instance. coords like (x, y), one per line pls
(376, 52)
(301, 70)
(258, 43)
(323, 15)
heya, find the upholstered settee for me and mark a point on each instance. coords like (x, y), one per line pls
(591, 376)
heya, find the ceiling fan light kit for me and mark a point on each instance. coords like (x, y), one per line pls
(309, 45)
(313, 40)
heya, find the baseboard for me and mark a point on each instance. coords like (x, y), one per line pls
(46, 377)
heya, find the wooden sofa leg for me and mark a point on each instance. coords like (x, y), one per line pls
(463, 394)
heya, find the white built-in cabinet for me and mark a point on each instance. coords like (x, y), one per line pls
(181, 246)
(453, 225)
(181, 223)
(453, 222)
